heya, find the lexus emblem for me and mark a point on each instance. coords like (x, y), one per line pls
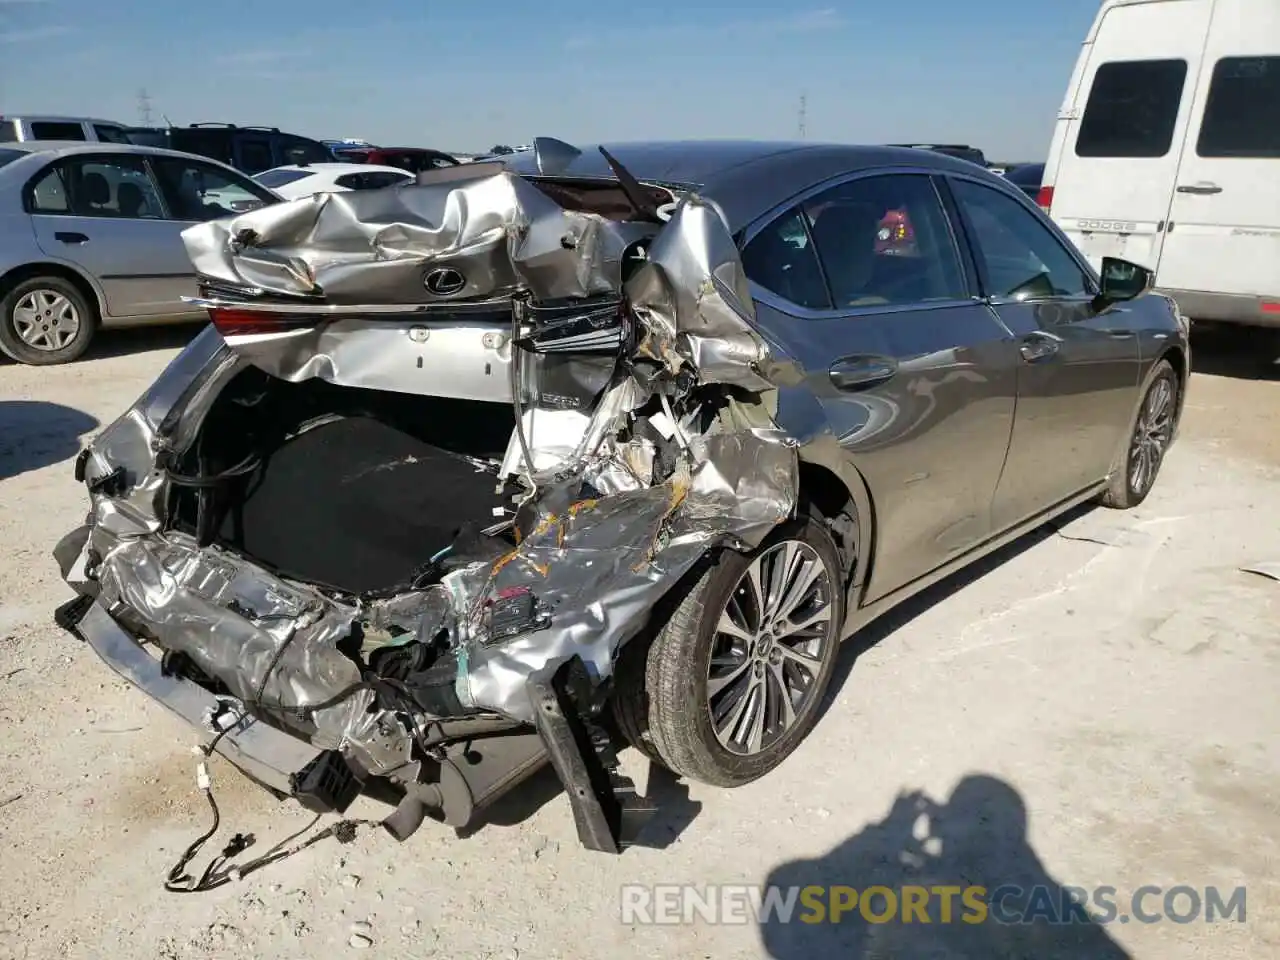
(444, 282)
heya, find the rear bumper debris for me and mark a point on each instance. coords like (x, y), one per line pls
(267, 755)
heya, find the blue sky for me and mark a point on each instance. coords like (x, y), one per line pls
(467, 75)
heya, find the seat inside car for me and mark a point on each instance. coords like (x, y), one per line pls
(845, 235)
(94, 194)
(130, 200)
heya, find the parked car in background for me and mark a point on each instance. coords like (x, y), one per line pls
(303, 180)
(90, 237)
(248, 149)
(1167, 151)
(414, 159)
(686, 545)
(20, 128)
(1027, 177)
(958, 150)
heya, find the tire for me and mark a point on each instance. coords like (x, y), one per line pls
(1152, 433)
(672, 721)
(45, 321)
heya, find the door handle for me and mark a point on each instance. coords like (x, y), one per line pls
(860, 372)
(1202, 189)
(67, 237)
(1038, 346)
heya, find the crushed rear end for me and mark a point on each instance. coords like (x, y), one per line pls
(391, 518)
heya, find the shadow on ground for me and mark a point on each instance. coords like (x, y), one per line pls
(1244, 353)
(673, 808)
(928, 854)
(34, 434)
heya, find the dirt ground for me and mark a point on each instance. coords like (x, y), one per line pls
(1094, 706)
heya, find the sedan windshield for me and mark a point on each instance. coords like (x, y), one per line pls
(278, 178)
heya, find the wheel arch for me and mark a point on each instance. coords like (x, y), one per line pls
(833, 491)
(43, 268)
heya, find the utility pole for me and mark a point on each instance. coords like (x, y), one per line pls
(802, 118)
(144, 107)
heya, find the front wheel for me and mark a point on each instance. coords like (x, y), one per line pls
(1134, 476)
(735, 678)
(46, 320)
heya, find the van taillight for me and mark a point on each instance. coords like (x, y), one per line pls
(1045, 198)
(230, 321)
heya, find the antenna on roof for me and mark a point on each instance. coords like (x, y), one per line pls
(167, 122)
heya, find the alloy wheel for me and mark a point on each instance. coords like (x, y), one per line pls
(46, 320)
(1151, 436)
(771, 641)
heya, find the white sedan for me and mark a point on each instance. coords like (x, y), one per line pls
(302, 180)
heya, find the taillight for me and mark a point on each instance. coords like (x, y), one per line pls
(232, 321)
(1045, 198)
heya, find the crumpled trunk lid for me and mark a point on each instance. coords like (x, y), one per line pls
(647, 436)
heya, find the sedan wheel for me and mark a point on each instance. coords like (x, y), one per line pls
(45, 320)
(1151, 436)
(734, 679)
(1153, 429)
(769, 646)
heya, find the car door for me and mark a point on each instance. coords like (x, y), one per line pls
(915, 376)
(1079, 366)
(1224, 223)
(104, 213)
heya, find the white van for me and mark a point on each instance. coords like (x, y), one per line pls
(1166, 151)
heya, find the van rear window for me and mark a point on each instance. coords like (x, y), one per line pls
(1132, 109)
(1242, 114)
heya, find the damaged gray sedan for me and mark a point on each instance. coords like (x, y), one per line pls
(598, 446)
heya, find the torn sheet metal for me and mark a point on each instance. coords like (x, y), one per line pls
(693, 301)
(615, 518)
(497, 234)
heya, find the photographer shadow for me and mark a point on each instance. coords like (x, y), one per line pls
(978, 838)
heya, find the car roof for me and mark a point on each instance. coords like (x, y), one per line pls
(57, 118)
(746, 178)
(341, 168)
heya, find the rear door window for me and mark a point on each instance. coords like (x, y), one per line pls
(1242, 114)
(116, 187)
(781, 259)
(56, 130)
(7, 132)
(885, 240)
(1132, 109)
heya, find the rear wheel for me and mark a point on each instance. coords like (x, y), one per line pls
(734, 679)
(46, 320)
(1133, 478)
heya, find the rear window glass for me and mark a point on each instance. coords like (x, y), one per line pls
(1132, 109)
(301, 150)
(1242, 115)
(278, 178)
(47, 130)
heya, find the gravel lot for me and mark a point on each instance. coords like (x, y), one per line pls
(1113, 682)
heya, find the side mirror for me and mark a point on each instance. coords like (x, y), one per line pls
(1122, 280)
